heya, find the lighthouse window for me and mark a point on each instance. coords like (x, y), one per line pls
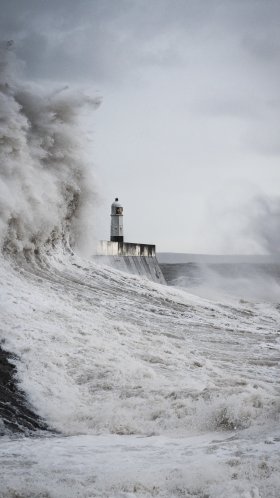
(119, 210)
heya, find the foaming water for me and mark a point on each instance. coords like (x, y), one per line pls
(160, 392)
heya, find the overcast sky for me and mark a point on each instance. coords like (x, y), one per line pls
(187, 135)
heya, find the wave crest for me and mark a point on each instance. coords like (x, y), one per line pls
(45, 178)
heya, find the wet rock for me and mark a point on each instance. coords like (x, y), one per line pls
(15, 413)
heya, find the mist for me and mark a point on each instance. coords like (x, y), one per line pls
(228, 281)
(264, 223)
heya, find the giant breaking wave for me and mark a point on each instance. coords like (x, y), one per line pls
(109, 359)
(45, 182)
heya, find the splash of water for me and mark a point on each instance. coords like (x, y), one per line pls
(46, 187)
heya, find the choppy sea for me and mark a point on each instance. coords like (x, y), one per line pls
(251, 281)
(147, 390)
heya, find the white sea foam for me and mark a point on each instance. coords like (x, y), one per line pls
(105, 354)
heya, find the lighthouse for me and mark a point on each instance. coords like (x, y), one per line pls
(130, 257)
(116, 221)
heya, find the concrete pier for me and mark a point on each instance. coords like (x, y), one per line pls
(137, 259)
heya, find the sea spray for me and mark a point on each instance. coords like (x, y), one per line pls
(264, 223)
(46, 184)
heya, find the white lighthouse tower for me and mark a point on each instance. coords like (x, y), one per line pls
(116, 221)
(130, 257)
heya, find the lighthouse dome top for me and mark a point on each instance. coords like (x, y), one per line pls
(116, 203)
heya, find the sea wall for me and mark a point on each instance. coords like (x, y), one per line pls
(137, 259)
(106, 248)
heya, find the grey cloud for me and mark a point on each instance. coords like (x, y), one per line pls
(265, 47)
(107, 39)
(227, 107)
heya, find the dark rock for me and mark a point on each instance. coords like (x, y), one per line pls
(15, 413)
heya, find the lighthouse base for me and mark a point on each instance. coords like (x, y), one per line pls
(137, 259)
(116, 238)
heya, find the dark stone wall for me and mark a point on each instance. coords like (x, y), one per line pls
(130, 249)
(116, 238)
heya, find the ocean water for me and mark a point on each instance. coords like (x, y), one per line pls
(147, 390)
(252, 281)
(151, 390)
